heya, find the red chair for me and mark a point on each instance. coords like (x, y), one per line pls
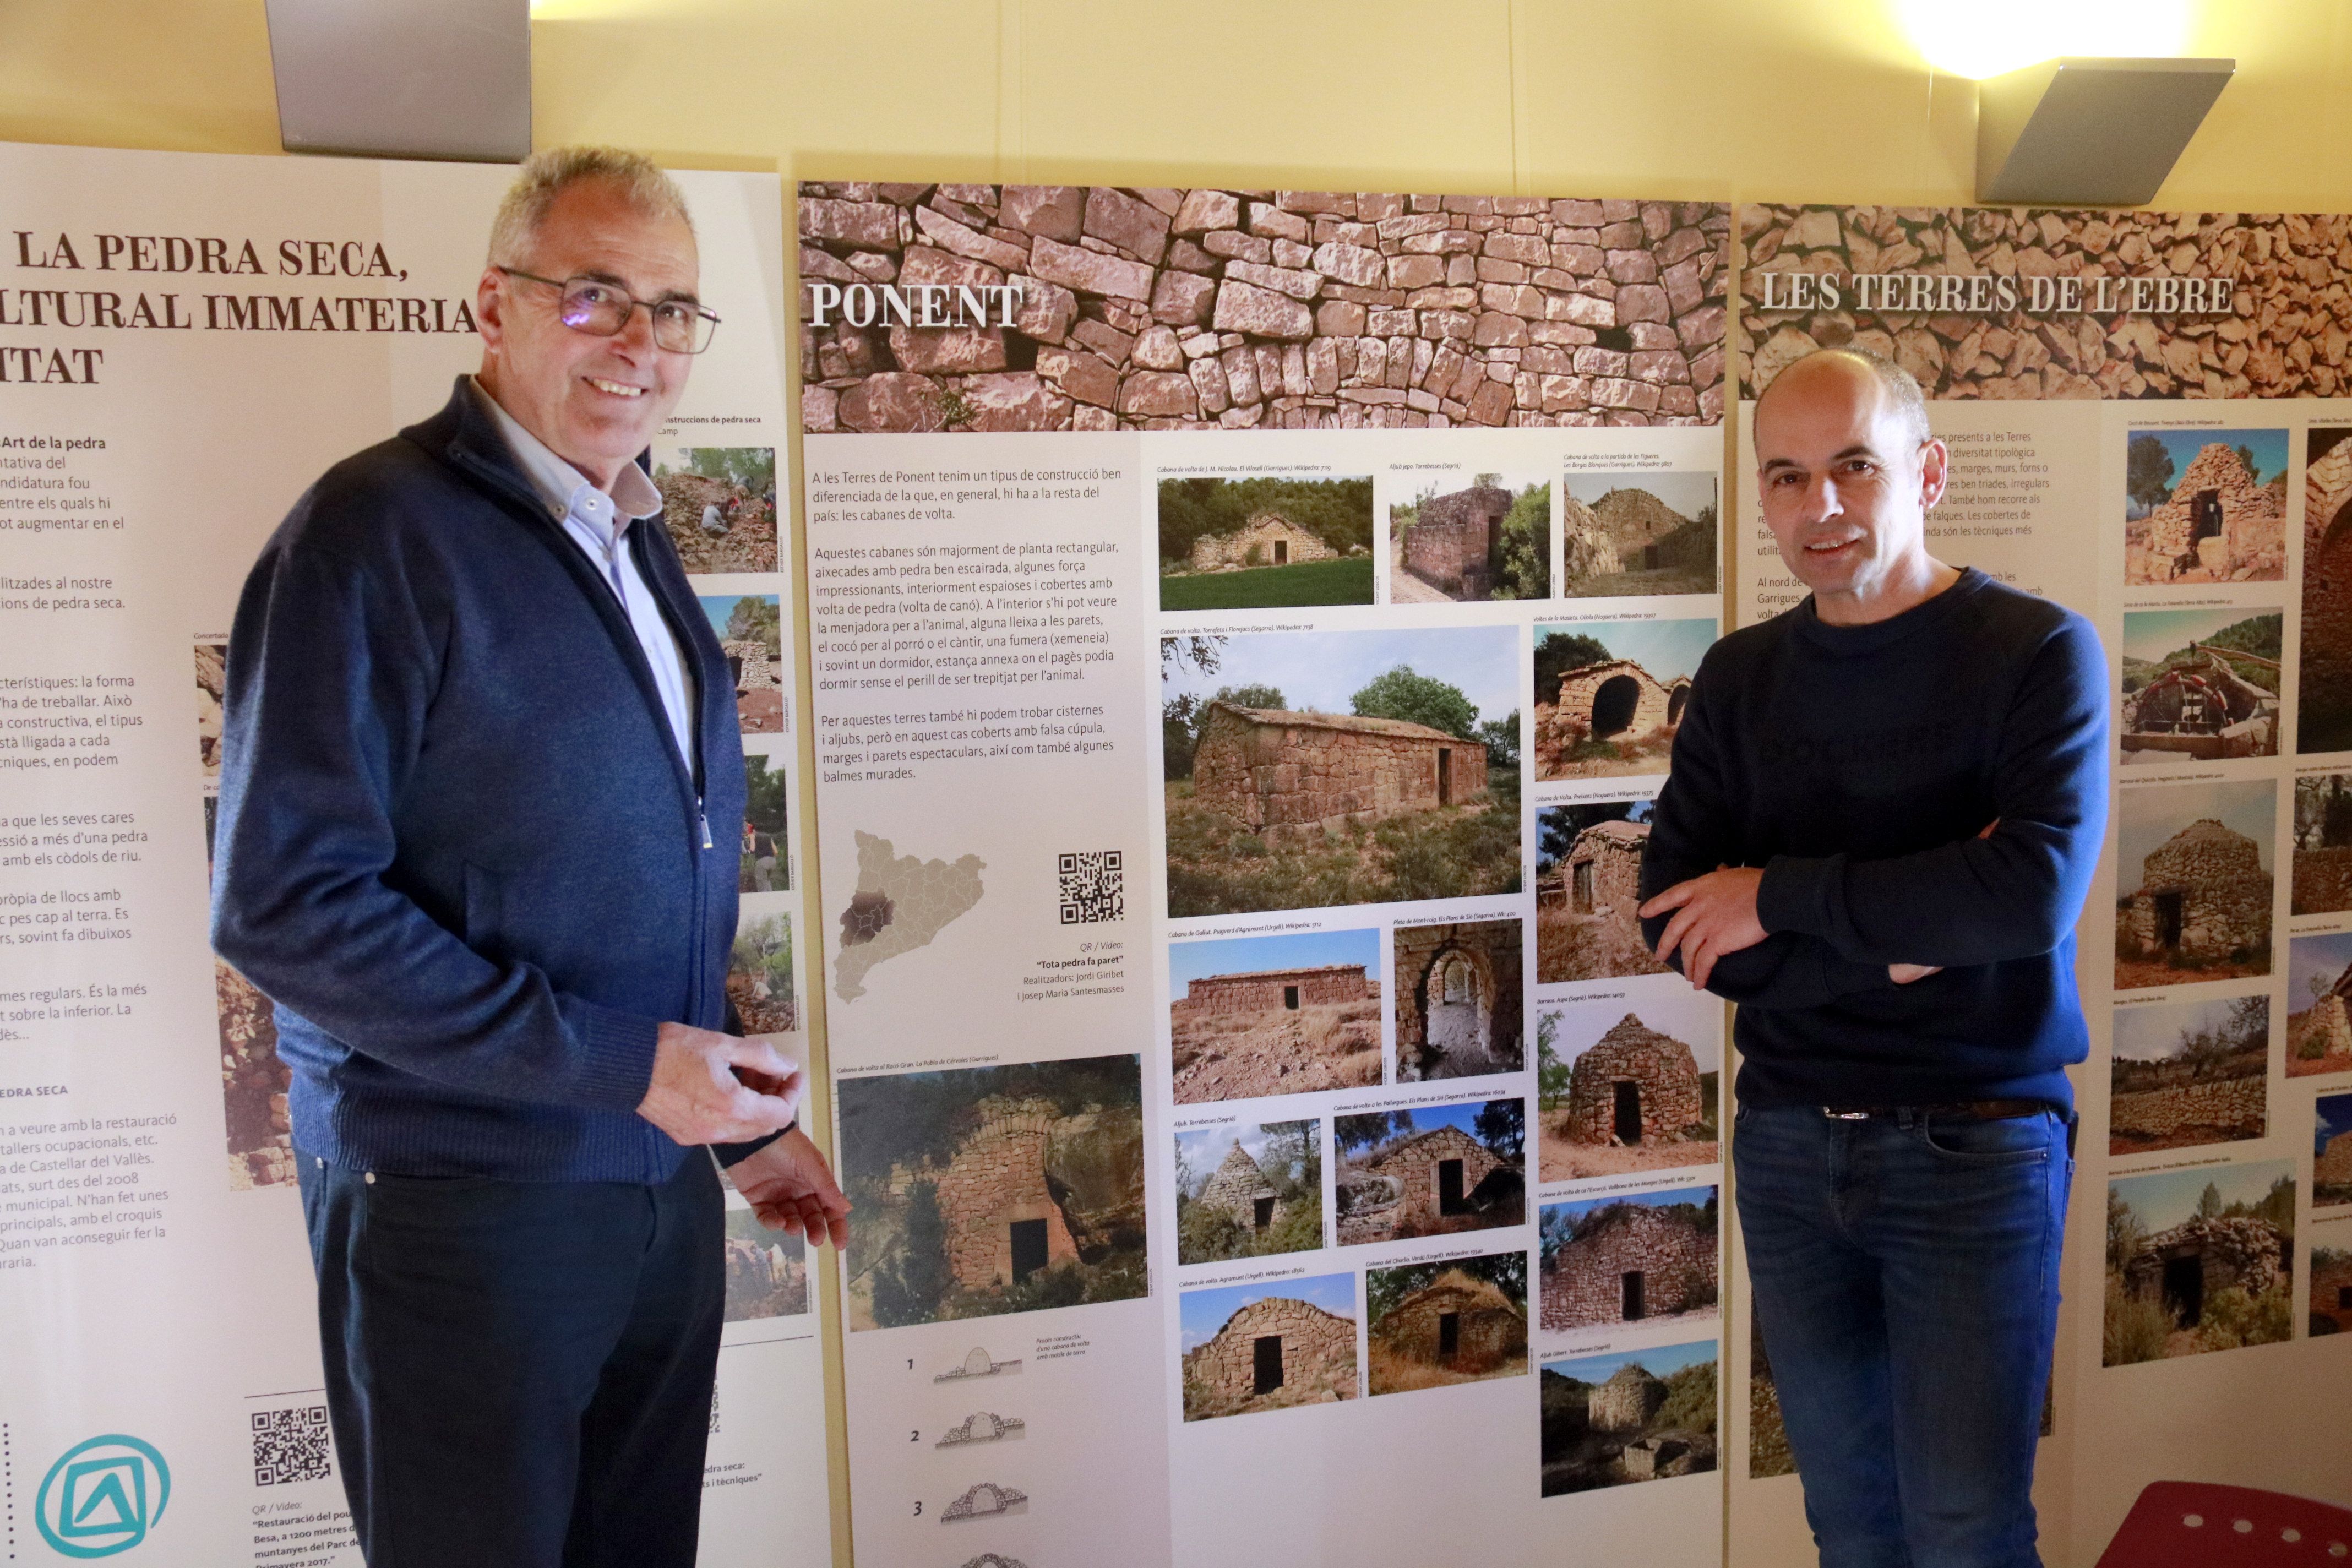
(2196, 1524)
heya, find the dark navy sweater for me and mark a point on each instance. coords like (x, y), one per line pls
(456, 844)
(1856, 765)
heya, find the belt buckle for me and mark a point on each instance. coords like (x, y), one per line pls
(1845, 1115)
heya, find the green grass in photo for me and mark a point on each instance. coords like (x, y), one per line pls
(1348, 580)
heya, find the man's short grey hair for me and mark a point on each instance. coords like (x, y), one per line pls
(546, 175)
(1902, 388)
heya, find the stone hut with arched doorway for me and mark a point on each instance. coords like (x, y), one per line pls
(1276, 1351)
(1455, 542)
(1617, 699)
(2183, 1267)
(1240, 1189)
(2326, 701)
(1627, 1262)
(1267, 539)
(1460, 1005)
(1001, 1215)
(1288, 776)
(1458, 1323)
(1633, 1086)
(2218, 523)
(2203, 895)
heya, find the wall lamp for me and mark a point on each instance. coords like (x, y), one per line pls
(2081, 132)
(404, 78)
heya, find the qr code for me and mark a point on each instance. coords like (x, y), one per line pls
(290, 1445)
(1093, 888)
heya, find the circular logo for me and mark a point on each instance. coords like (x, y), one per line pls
(102, 1496)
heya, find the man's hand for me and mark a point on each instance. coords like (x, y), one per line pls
(791, 1189)
(1713, 914)
(1904, 974)
(709, 1088)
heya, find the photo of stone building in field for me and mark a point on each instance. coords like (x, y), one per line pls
(1272, 1347)
(1621, 1090)
(1638, 532)
(1278, 1014)
(1430, 1171)
(1635, 1086)
(1268, 539)
(1460, 999)
(1627, 1260)
(2222, 520)
(1609, 694)
(2202, 908)
(2319, 1037)
(1275, 991)
(1288, 776)
(2321, 883)
(1430, 1324)
(1589, 891)
(1240, 1190)
(2199, 1259)
(1631, 1415)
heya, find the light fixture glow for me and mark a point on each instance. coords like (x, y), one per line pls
(1978, 38)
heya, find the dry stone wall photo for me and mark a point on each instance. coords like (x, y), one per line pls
(1144, 308)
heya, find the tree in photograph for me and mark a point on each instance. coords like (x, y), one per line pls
(909, 1285)
(751, 468)
(764, 795)
(2147, 472)
(1526, 546)
(757, 617)
(1560, 652)
(1502, 1126)
(1552, 1074)
(1417, 699)
(1501, 739)
(1356, 1134)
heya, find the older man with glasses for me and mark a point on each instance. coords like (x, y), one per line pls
(476, 736)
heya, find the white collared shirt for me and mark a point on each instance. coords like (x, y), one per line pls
(599, 524)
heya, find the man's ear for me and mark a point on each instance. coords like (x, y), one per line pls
(1935, 472)
(489, 310)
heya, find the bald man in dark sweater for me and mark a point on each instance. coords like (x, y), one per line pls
(1885, 809)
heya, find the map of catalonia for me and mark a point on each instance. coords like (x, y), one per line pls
(900, 904)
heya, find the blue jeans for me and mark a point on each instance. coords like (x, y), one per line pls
(1905, 1271)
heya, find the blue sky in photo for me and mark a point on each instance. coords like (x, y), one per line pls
(2333, 1119)
(2153, 1034)
(1664, 648)
(2152, 634)
(1321, 670)
(1647, 1200)
(1674, 1011)
(1190, 961)
(1205, 1148)
(1683, 492)
(2309, 957)
(1430, 1118)
(2165, 1199)
(2152, 814)
(1658, 1361)
(717, 607)
(2182, 446)
(1201, 1313)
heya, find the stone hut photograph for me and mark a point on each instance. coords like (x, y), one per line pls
(1453, 543)
(2194, 892)
(751, 635)
(2321, 880)
(982, 1191)
(2331, 1150)
(1144, 308)
(1432, 1170)
(1251, 1191)
(2199, 1261)
(2200, 685)
(2331, 1285)
(1428, 1325)
(1629, 1260)
(1589, 891)
(1609, 694)
(1643, 533)
(1256, 541)
(1619, 1090)
(2319, 975)
(259, 1126)
(1260, 1016)
(759, 969)
(1646, 1415)
(2323, 709)
(2204, 506)
(1307, 770)
(718, 505)
(2183, 1074)
(1248, 1348)
(1461, 1005)
(767, 1270)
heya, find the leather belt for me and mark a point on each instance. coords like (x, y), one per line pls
(1972, 1110)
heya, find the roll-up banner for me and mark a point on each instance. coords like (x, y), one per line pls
(185, 343)
(2150, 421)
(1248, 628)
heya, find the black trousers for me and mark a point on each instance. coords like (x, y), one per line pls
(518, 1374)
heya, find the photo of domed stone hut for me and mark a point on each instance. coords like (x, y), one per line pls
(1490, 540)
(1640, 532)
(2323, 708)
(1260, 541)
(2205, 506)
(1609, 694)
(1617, 1092)
(2319, 1037)
(1248, 1191)
(1629, 1260)
(988, 1190)
(2199, 905)
(2198, 1260)
(1647, 1415)
(1460, 1009)
(1431, 1170)
(1249, 1348)
(1462, 1320)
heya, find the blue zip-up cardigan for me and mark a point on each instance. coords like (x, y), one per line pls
(456, 844)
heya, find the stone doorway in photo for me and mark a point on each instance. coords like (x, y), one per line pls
(1266, 1368)
(1634, 1292)
(2184, 1289)
(1628, 1112)
(1029, 1247)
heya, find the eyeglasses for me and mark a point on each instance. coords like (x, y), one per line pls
(602, 310)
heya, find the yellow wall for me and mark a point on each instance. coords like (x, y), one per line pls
(1771, 99)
